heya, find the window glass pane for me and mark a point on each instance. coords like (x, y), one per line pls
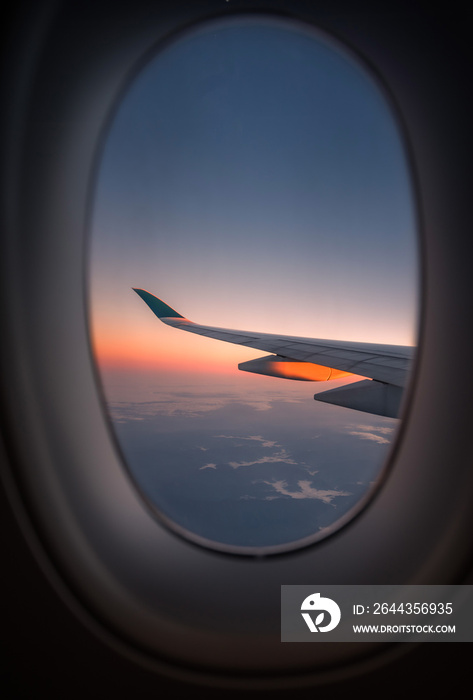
(253, 177)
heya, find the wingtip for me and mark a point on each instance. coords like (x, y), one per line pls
(158, 307)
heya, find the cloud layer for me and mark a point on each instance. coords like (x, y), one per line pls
(306, 491)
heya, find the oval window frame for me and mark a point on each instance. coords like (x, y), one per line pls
(391, 108)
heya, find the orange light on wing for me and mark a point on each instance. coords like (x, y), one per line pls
(307, 371)
(291, 369)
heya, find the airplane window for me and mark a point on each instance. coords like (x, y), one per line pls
(254, 179)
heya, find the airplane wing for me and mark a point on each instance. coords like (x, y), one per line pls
(386, 367)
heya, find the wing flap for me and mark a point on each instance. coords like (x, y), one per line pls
(367, 395)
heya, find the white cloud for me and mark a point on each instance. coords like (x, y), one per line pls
(370, 436)
(277, 457)
(120, 414)
(385, 430)
(371, 432)
(306, 491)
(256, 438)
(208, 466)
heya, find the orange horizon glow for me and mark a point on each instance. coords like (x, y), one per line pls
(168, 350)
(124, 362)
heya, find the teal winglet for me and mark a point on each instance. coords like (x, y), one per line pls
(157, 306)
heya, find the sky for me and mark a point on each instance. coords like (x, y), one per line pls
(253, 178)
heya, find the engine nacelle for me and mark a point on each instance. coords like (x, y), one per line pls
(276, 366)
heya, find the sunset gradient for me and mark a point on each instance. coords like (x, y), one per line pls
(264, 189)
